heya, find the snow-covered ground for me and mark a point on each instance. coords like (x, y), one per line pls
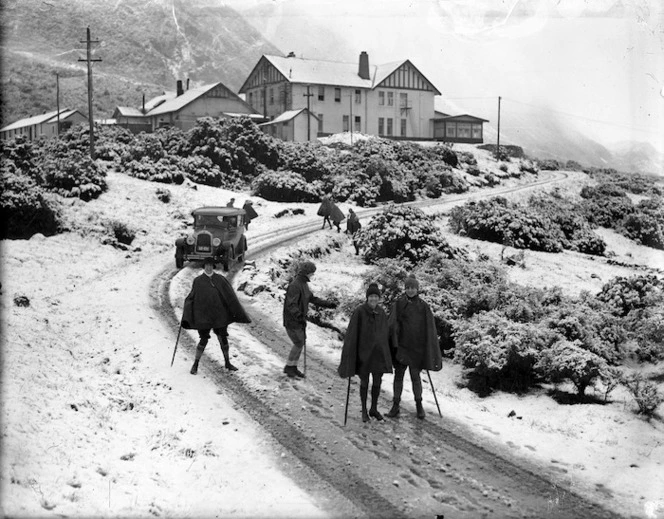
(95, 422)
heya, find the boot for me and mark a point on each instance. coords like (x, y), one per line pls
(225, 350)
(199, 353)
(290, 371)
(373, 412)
(363, 398)
(394, 412)
(420, 410)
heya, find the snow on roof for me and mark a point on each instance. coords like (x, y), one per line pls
(129, 111)
(299, 70)
(175, 104)
(39, 119)
(287, 116)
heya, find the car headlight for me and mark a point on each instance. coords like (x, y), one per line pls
(216, 242)
(190, 240)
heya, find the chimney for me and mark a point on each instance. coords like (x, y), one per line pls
(363, 72)
(143, 109)
(187, 83)
(179, 88)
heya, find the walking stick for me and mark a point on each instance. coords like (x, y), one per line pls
(434, 393)
(347, 398)
(176, 344)
(305, 359)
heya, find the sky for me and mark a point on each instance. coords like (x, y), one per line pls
(597, 65)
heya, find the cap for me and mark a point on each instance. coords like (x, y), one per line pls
(373, 289)
(411, 282)
(306, 268)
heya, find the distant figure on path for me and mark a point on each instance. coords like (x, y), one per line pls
(337, 216)
(352, 226)
(414, 343)
(366, 350)
(212, 305)
(231, 203)
(325, 210)
(296, 307)
(250, 213)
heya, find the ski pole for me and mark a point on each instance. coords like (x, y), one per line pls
(176, 344)
(434, 393)
(347, 398)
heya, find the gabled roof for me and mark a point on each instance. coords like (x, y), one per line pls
(442, 116)
(173, 104)
(128, 111)
(320, 72)
(287, 116)
(39, 119)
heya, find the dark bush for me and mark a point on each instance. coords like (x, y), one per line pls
(284, 186)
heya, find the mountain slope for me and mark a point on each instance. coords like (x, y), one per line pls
(144, 48)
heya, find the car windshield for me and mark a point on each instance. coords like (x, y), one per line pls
(203, 220)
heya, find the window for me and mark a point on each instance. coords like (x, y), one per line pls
(403, 128)
(381, 98)
(477, 131)
(271, 96)
(320, 123)
(337, 95)
(390, 99)
(381, 126)
(450, 130)
(321, 93)
(403, 100)
(358, 96)
(463, 130)
(358, 123)
(251, 99)
(389, 127)
(345, 123)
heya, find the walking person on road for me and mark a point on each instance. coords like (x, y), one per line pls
(414, 343)
(325, 210)
(352, 226)
(296, 307)
(366, 350)
(211, 306)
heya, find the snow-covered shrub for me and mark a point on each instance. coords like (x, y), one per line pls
(122, 232)
(165, 170)
(71, 173)
(645, 393)
(569, 360)
(402, 232)
(23, 207)
(499, 353)
(284, 186)
(646, 225)
(624, 295)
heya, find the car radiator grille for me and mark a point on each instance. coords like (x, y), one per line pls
(204, 243)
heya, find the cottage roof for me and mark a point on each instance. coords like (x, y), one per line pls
(127, 111)
(287, 116)
(442, 116)
(39, 119)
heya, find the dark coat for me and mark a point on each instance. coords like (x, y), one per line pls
(296, 304)
(336, 215)
(212, 303)
(413, 336)
(353, 224)
(250, 211)
(325, 207)
(366, 345)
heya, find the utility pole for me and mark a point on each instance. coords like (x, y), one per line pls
(308, 95)
(498, 143)
(57, 99)
(89, 59)
(350, 122)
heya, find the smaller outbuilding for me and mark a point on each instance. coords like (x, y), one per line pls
(458, 128)
(292, 125)
(44, 125)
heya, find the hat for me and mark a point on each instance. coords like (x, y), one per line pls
(306, 268)
(373, 289)
(209, 260)
(411, 282)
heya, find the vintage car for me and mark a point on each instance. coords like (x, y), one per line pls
(218, 232)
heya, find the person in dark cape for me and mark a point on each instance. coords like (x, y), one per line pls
(325, 210)
(414, 343)
(250, 213)
(366, 350)
(337, 216)
(352, 226)
(296, 307)
(212, 305)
